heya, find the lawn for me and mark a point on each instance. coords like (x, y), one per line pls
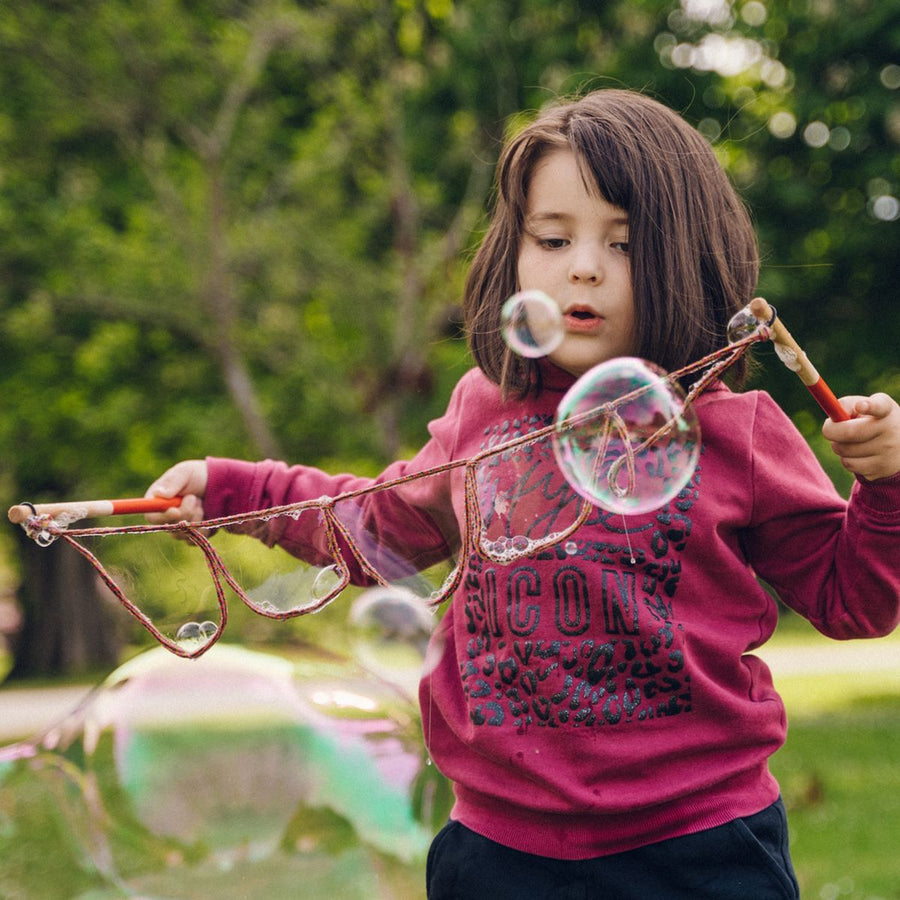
(840, 768)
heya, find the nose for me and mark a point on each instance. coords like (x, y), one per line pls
(586, 265)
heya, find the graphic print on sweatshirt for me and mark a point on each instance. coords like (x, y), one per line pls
(578, 635)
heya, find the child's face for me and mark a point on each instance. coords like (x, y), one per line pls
(574, 248)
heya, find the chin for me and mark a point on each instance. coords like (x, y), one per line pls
(578, 366)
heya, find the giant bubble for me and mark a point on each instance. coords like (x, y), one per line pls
(239, 774)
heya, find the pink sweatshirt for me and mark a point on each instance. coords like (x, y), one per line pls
(583, 704)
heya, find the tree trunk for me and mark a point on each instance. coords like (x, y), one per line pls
(69, 625)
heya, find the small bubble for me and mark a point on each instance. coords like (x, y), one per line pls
(325, 582)
(532, 324)
(196, 632)
(743, 324)
(190, 631)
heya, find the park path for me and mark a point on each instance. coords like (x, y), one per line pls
(28, 711)
(882, 654)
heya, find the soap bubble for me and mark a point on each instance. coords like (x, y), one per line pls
(196, 632)
(393, 615)
(742, 325)
(532, 324)
(238, 773)
(392, 635)
(624, 438)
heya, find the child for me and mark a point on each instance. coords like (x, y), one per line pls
(600, 712)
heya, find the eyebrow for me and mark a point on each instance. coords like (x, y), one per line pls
(564, 217)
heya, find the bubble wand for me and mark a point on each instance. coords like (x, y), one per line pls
(793, 356)
(595, 434)
(75, 510)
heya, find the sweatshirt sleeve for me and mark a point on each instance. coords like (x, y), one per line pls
(835, 562)
(414, 519)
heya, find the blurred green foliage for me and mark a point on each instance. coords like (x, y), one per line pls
(242, 229)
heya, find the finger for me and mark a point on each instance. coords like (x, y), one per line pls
(867, 440)
(862, 424)
(171, 483)
(872, 468)
(856, 466)
(852, 452)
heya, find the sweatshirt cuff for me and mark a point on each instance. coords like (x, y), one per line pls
(881, 496)
(229, 487)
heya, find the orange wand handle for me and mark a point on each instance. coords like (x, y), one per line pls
(87, 509)
(793, 356)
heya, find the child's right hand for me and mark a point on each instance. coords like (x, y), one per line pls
(186, 479)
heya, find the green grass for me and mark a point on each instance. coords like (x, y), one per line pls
(841, 783)
(840, 771)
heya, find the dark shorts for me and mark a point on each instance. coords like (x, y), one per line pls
(746, 859)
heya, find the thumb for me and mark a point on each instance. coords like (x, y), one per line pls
(187, 477)
(878, 406)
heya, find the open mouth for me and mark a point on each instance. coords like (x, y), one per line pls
(582, 319)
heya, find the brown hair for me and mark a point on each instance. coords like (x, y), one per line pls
(692, 248)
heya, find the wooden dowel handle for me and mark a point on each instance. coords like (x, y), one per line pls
(792, 354)
(794, 357)
(86, 509)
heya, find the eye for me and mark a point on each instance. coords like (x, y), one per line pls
(552, 243)
(621, 246)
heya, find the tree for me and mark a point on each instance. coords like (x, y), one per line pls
(243, 228)
(801, 100)
(193, 169)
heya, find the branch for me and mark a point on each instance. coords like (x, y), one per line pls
(270, 34)
(176, 319)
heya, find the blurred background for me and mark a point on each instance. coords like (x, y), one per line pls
(242, 229)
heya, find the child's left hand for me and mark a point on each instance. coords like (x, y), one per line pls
(869, 443)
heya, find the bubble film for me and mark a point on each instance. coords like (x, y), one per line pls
(232, 775)
(624, 438)
(525, 504)
(532, 324)
(391, 635)
(743, 324)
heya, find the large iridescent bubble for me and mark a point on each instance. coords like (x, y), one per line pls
(238, 774)
(624, 438)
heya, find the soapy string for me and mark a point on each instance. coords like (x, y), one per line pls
(45, 529)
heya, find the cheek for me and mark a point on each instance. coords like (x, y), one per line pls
(537, 271)
(524, 266)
